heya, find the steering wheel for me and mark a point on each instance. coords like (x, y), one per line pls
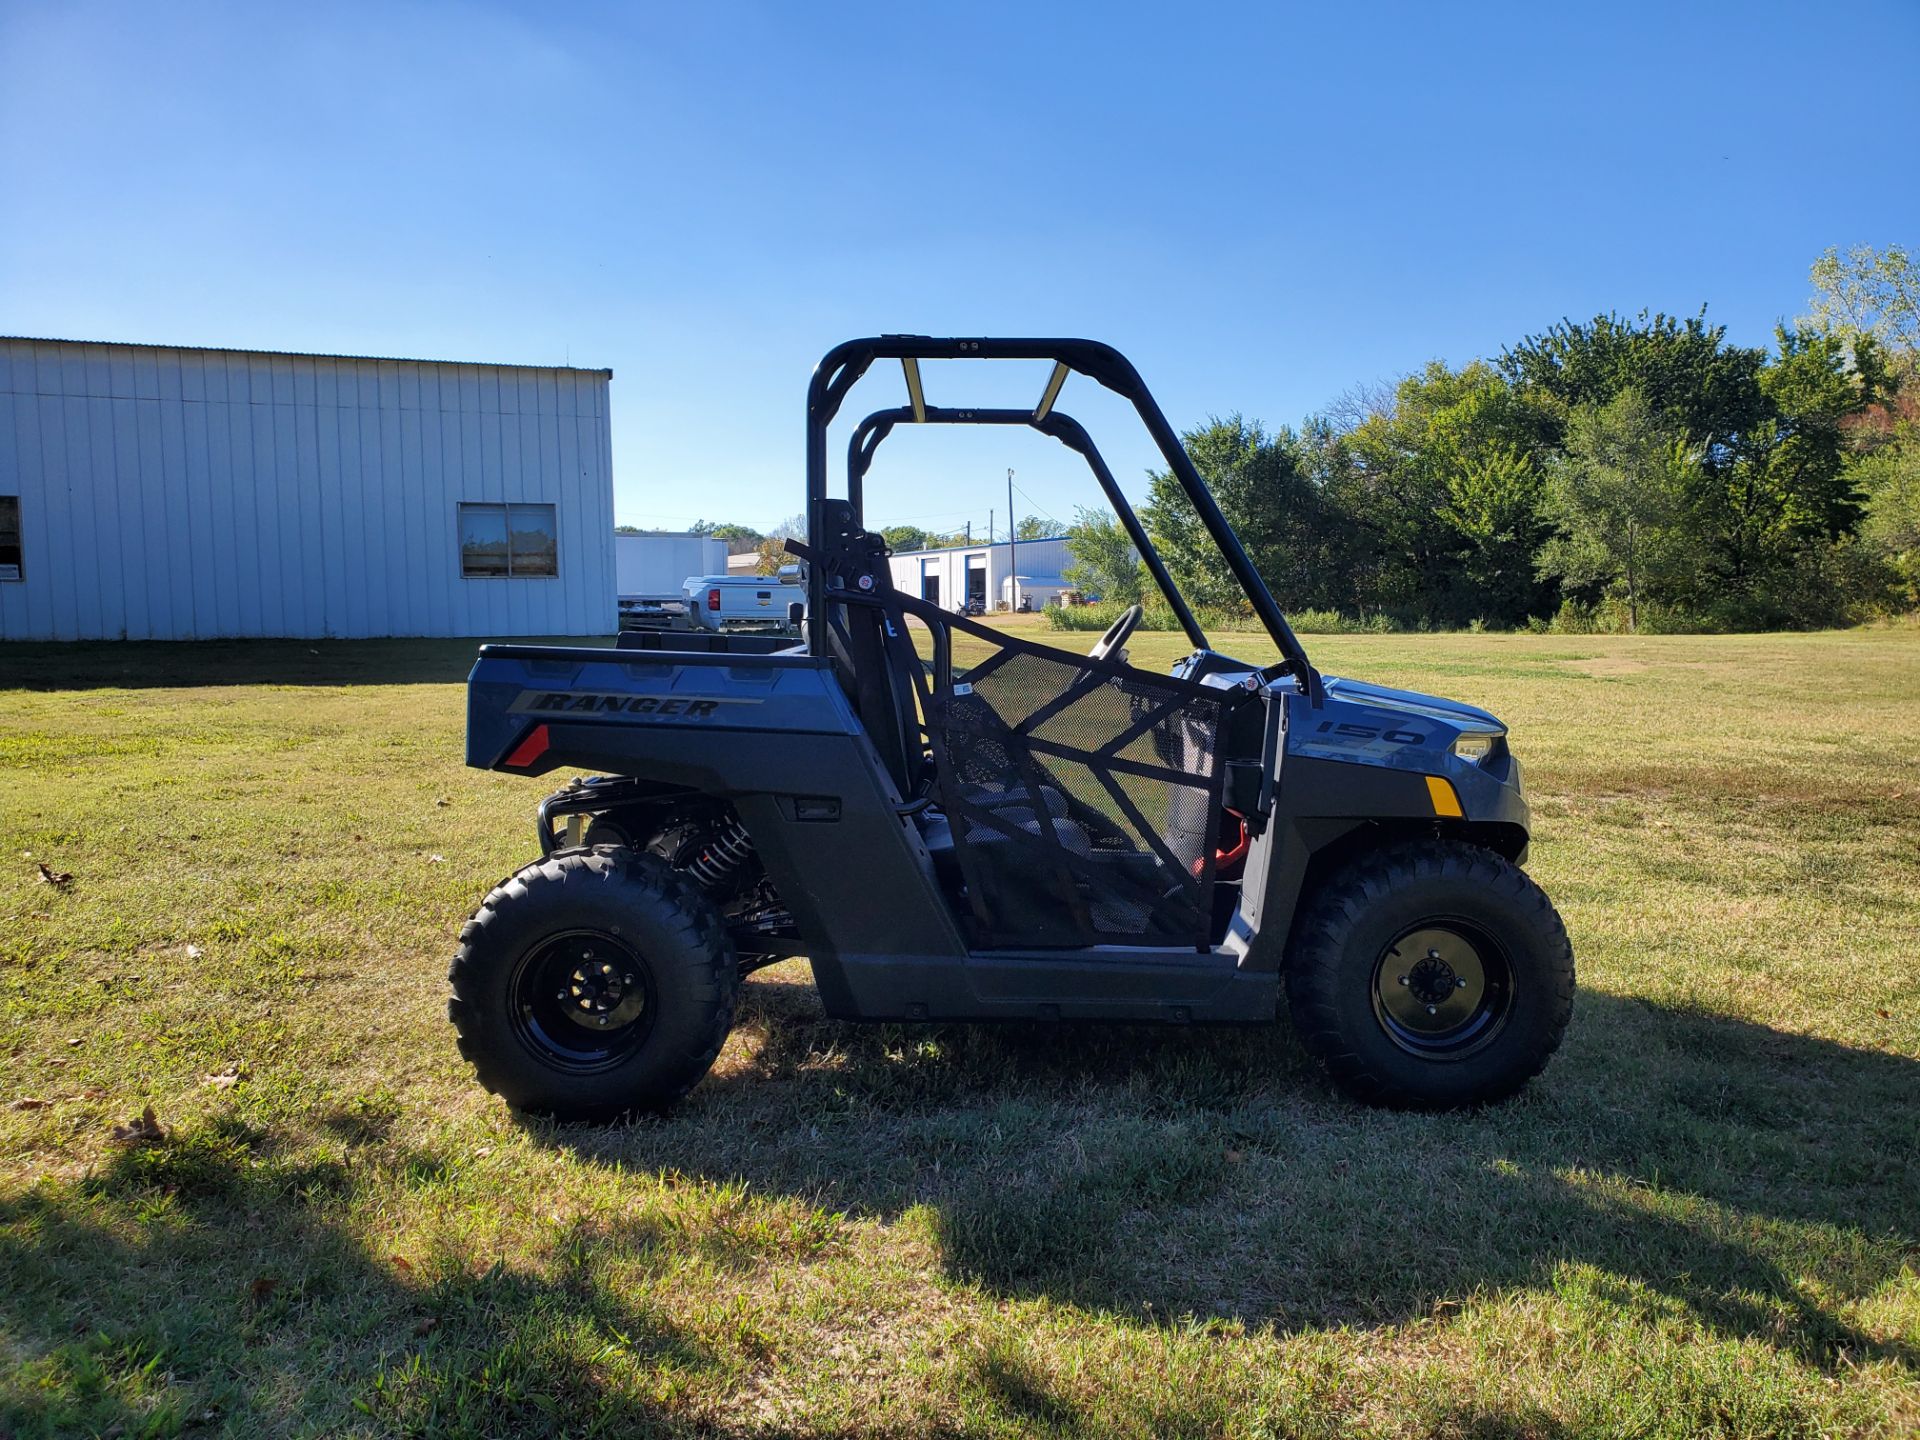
(1112, 642)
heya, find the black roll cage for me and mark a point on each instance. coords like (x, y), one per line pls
(843, 366)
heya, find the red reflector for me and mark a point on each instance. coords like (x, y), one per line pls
(713, 598)
(529, 749)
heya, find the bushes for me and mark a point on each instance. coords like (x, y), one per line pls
(1155, 617)
(1332, 622)
(1611, 617)
(1842, 583)
(1829, 586)
(1851, 588)
(1214, 617)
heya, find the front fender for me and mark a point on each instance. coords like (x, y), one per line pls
(1360, 767)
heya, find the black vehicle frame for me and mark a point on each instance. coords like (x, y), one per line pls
(1038, 835)
(845, 365)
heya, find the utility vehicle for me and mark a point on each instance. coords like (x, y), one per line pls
(1034, 836)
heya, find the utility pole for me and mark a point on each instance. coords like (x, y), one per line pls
(1013, 555)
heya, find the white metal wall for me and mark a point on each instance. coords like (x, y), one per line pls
(183, 494)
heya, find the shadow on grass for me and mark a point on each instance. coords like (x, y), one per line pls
(1678, 1176)
(1752, 1182)
(203, 1286)
(167, 664)
(234, 1295)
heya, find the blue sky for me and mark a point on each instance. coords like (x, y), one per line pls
(1261, 204)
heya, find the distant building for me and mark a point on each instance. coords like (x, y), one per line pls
(951, 577)
(165, 492)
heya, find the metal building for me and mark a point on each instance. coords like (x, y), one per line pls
(164, 492)
(962, 573)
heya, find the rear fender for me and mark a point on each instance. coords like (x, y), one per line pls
(619, 700)
(771, 734)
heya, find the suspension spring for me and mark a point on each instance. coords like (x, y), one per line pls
(726, 853)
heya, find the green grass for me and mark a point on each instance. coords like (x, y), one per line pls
(1703, 1220)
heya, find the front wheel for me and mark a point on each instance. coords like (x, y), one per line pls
(591, 984)
(1430, 975)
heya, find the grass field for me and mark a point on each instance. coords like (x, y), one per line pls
(1703, 1220)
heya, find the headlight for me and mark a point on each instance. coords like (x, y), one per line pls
(1477, 745)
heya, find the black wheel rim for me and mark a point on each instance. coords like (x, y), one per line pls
(1442, 989)
(583, 1001)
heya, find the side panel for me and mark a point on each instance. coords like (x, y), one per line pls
(1147, 987)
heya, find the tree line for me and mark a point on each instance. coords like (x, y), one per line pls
(1618, 473)
(770, 546)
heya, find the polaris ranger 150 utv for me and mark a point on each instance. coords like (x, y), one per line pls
(1038, 836)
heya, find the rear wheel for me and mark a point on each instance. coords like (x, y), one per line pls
(1430, 975)
(591, 984)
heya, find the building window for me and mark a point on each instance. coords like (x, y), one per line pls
(10, 564)
(519, 542)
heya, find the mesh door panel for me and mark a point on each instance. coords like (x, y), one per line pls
(1081, 802)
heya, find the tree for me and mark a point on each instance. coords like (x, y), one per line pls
(1643, 460)
(1439, 497)
(1875, 294)
(1869, 292)
(1771, 489)
(1812, 388)
(1890, 479)
(902, 538)
(1617, 497)
(772, 548)
(1104, 560)
(1769, 503)
(1033, 527)
(739, 538)
(1493, 505)
(1262, 485)
(1689, 376)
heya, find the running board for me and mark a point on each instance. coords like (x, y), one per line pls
(1145, 987)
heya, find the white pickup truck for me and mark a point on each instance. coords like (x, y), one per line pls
(741, 602)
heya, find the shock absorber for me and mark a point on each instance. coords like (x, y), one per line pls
(724, 854)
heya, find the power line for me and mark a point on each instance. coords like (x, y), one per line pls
(930, 515)
(957, 519)
(1038, 506)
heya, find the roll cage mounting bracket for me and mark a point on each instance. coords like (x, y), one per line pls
(845, 364)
